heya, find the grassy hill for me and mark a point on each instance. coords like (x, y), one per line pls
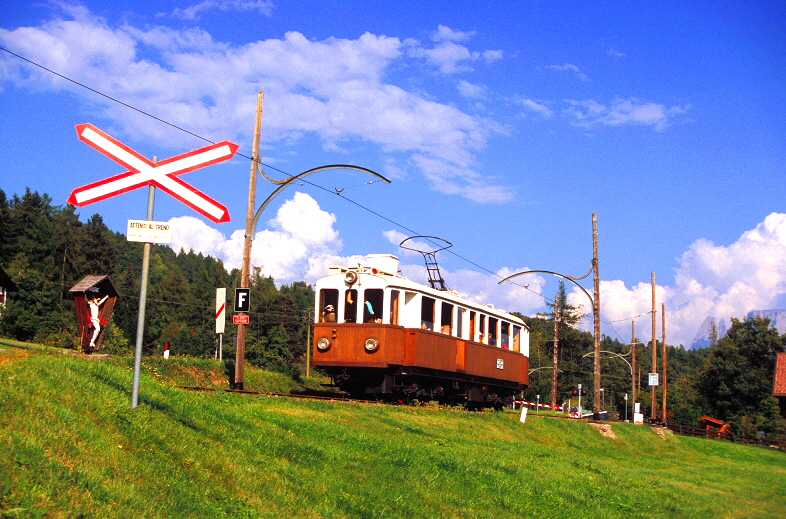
(70, 446)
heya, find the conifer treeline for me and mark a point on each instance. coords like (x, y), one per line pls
(46, 250)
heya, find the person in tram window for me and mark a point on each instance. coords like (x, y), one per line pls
(329, 315)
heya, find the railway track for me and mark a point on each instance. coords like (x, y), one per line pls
(304, 396)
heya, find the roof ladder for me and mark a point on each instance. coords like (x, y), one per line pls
(432, 268)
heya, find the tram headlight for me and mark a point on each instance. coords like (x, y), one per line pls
(323, 344)
(371, 345)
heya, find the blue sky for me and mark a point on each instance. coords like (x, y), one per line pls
(502, 128)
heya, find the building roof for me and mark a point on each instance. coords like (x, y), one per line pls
(779, 385)
(95, 283)
(711, 422)
(6, 282)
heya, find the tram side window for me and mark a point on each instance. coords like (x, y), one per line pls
(460, 322)
(446, 319)
(427, 313)
(493, 331)
(394, 295)
(328, 302)
(504, 336)
(372, 306)
(482, 330)
(516, 338)
(350, 306)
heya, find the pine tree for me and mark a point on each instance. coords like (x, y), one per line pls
(736, 381)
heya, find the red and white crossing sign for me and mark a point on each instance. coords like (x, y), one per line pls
(142, 172)
(221, 309)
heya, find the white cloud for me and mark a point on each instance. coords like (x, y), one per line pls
(570, 67)
(470, 90)
(539, 108)
(263, 7)
(334, 89)
(444, 33)
(448, 56)
(300, 236)
(590, 113)
(711, 280)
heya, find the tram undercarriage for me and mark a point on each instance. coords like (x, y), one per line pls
(410, 384)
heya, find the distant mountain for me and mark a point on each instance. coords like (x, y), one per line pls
(777, 318)
(702, 339)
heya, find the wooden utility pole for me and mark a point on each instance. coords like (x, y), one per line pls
(654, 389)
(554, 353)
(309, 324)
(245, 272)
(663, 343)
(633, 359)
(596, 318)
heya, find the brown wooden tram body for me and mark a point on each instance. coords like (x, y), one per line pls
(394, 361)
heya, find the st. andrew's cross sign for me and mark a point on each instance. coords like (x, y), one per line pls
(142, 172)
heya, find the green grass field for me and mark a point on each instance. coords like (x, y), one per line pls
(71, 446)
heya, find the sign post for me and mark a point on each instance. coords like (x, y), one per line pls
(143, 172)
(140, 321)
(221, 318)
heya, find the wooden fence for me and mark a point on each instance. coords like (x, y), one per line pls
(686, 430)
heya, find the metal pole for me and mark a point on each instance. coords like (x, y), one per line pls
(654, 405)
(596, 318)
(633, 360)
(663, 343)
(245, 273)
(140, 321)
(554, 352)
(626, 407)
(309, 322)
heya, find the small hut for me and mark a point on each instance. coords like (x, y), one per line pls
(94, 299)
(6, 285)
(713, 427)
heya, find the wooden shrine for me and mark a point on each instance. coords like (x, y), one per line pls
(94, 300)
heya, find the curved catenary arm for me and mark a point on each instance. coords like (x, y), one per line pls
(569, 278)
(297, 177)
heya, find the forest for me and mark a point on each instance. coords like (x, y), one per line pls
(45, 249)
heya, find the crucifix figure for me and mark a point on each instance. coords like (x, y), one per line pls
(94, 304)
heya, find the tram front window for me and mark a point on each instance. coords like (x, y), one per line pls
(351, 306)
(372, 306)
(328, 303)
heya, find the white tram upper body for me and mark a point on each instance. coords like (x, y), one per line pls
(376, 331)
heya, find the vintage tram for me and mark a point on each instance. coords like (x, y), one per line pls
(377, 333)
